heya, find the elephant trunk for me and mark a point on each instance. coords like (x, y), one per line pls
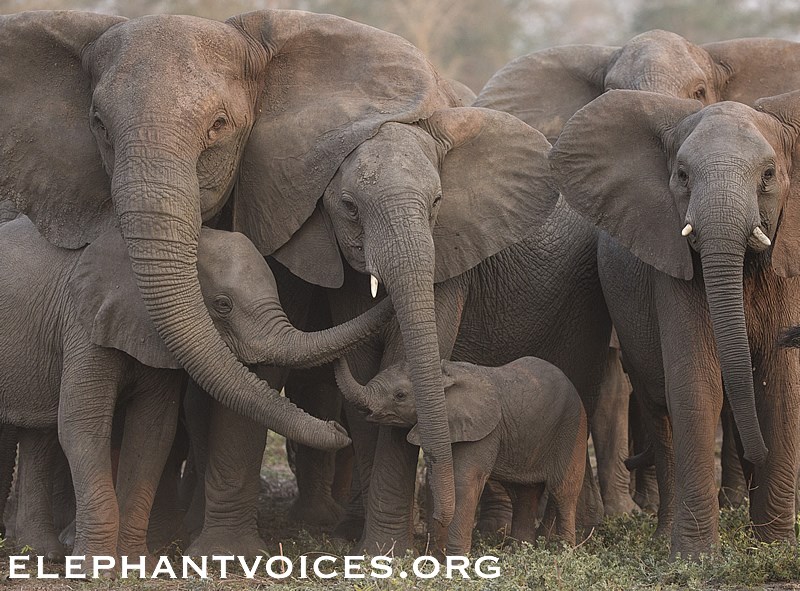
(354, 392)
(156, 197)
(723, 276)
(285, 345)
(404, 261)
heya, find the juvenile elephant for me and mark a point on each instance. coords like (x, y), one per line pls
(522, 424)
(692, 200)
(75, 338)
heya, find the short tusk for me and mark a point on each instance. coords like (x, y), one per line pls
(687, 229)
(373, 285)
(761, 237)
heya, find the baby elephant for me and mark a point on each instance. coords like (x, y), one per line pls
(523, 424)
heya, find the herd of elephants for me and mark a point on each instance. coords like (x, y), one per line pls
(216, 211)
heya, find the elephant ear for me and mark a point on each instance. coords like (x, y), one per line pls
(547, 87)
(109, 307)
(756, 67)
(473, 406)
(50, 167)
(611, 162)
(329, 85)
(313, 252)
(496, 185)
(786, 252)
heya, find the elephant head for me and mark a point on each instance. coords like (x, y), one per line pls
(472, 412)
(666, 177)
(151, 123)
(240, 292)
(547, 87)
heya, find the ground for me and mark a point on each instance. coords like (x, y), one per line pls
(620, 555)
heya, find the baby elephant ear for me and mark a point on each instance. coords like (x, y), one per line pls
(473, 404)
(109, 307)
(496, 185)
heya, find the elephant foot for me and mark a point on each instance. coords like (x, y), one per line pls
(67, 535)
(166, 529)
(351, 528)
(42, 544)
(225, 542)
(621, 504)
(320, 511)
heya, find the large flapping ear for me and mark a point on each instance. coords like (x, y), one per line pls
(496, 185)
(547, 87)
(473, 405)
(50, 166)
(786, 252)
(330, 84)
(612, 166)
(313, 253)
(109, 306)
(756, 67)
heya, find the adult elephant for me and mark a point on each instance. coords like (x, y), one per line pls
(547, 87)
(158, 145)
(706, 302)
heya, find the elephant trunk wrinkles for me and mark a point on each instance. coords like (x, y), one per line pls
(723, 276)
(285, 345)
(405, 263)
(157, 197)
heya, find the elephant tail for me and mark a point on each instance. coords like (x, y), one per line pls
(790, 337)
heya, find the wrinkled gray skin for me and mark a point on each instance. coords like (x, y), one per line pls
(547, 87)
(58, 304)
(152, 122)
(522, 423)
(726, 170)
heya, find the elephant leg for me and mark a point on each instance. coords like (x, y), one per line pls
(232, 485)
(644, 482)
(772, 493)
(470, 478)
(86, 439)
(343, 475)
(197, 410)
(150, 421)
(35, 528)
(694, 398)
(351, 527)
(496, 509)
(315, 392)
(170, 503)
(733, 490)
(8, 460)
(610, 437)
(526, 510)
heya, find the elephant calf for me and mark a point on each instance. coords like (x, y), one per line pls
(75, 337)
(523, 424)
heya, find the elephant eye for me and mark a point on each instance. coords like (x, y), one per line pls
(223, 305)
(220, 123)
(400, 396)
(700, 94)
(350, 207)
(682, 175)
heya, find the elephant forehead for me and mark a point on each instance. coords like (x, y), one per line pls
(395, 149)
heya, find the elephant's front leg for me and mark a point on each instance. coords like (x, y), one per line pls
(772, 493)
(150, 421)
(733, 489)
(694, 399)
(90, 381)
(610, 437)
(232, 484)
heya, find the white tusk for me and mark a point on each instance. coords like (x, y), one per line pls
(687, 229)
(761, 237)
(373, 285)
